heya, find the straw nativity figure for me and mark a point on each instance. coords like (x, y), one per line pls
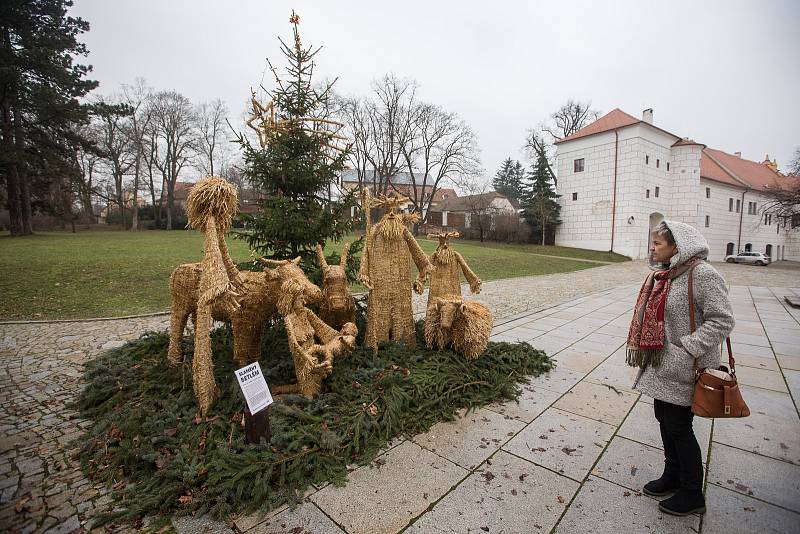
(312, 361)
(215, 289)
(337, 306)
(385, 269)
(447, 268)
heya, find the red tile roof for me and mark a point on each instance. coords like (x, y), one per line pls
(612, 120)
(727, 168)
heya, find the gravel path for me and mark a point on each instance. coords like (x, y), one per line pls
(42, 365)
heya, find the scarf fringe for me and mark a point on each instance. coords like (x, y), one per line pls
(643, 358)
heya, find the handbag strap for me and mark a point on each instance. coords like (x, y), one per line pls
(693, 325)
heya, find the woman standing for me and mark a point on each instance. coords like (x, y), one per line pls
(667, 352)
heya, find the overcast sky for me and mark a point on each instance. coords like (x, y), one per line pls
(724, 73)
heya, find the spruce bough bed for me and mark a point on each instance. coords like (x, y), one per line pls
(148, 441)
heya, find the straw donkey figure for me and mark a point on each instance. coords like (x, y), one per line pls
(338, 306)
(385, 268)
(445, 275)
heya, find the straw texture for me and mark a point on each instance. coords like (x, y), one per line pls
(338, 306)
(385, 268)
(463, 325)
(447, 268)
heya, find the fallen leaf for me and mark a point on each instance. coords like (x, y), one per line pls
(561, 499)
(568, 451)
(522, 477)
(749, 509)
(627, 494)
(513, 492)
(20, 506)
(784, 446)
(170, 432)
(634, 469)
(488, 476)
(185, 499)
(485, 529)
(542, 437)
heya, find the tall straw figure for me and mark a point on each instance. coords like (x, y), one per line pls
(385, 271)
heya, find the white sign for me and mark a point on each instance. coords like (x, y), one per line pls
(254, 387)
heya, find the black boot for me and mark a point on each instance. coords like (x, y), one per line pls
(684, 503)
(662, 486)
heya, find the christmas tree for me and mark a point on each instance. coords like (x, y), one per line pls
(295, 167)
(539, 205)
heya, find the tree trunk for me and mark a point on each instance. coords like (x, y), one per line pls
(12, 177)
(22, 177)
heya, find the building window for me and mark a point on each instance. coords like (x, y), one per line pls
(766, 218)
(577, 165)
(730, 204)
(738, 205)
(708, 221)
(668, 166)
(748, 247)
(444, 218)
(708, 192)
(658, 163)
(770, 219)
(574, 196)
(656, 191)
(647, 160)
(647, 194)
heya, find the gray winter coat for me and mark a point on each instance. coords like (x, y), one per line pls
(673, 380)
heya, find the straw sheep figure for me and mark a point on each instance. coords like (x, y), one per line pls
(385, 268)
(337, 306)
(464, 325)
(447, 268)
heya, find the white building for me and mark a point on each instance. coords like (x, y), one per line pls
(619, 176)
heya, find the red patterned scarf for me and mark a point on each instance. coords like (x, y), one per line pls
(646, 333)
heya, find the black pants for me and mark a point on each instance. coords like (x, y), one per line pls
(682, 457)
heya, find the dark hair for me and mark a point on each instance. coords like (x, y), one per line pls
(663, 230)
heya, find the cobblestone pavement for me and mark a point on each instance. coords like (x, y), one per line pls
(41, 486)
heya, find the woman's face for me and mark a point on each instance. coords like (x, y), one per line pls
(660, 250)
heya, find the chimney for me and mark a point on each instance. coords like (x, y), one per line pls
(647, 115)
(737, 154)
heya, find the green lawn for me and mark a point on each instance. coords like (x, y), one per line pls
(60, 275)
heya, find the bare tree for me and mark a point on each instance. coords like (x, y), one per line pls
(565, 121)
(478, 202)
(211, 123)
(784, 196)
(114, 145)
(175, 136)
(439, 146)
(137, 98)
(86, 161)
(379, 127)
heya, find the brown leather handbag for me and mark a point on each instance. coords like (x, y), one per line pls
(716, 392)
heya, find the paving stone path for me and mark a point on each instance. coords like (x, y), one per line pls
(573, 452)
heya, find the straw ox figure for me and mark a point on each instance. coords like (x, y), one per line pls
(385, 268)
(338, 306)
(447, 268)
(453, 322)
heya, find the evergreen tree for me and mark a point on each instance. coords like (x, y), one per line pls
(40, 88)
(508, 180)
(540, 208)
(296, 168)
(518, 180)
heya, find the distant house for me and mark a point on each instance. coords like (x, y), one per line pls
(459, 213)
(401, 183)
